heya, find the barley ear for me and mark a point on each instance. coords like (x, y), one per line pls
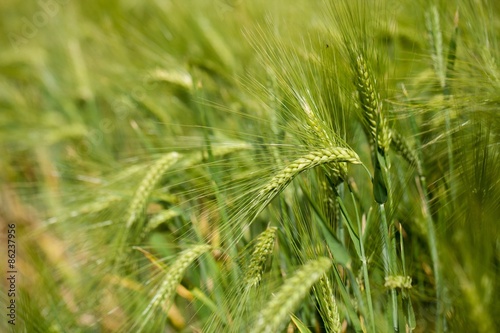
(134, 230)
(146, 186)
(101, 203)
(318, 128)
(397, 281)
(436, 44)
(327, 305)
(309, 161)
(316, 125)
(173, 275)
(263, 248)
(376, 125)
(275, 314)
(159, 219)
(402, 147)
(329, 182)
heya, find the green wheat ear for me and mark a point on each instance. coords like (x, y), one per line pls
(318, 128)
(134, 225)
(327, 305)
(401, 146)
(308, 161)
(146, 186)
(436, 44)
(263, 248)
(172, 277)
(275, 313)
(375, 123)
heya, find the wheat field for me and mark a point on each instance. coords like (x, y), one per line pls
(250, 166)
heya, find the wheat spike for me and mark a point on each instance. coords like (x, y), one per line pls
(397, 281)
(275, 314)
(172, 278)
(101, 203)
(160, 218)
(328, 182)
(318, 128)
(403, 148)
(327, 305)
(436, 44)
(147, 185)
(309, 161)
(263, 248)
(370, 103)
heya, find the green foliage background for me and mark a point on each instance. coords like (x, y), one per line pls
(93, 93)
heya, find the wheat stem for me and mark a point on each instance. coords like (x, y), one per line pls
(364, 263)
(389, 264)
(433, 246)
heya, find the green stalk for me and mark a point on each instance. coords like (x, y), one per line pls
(449, 144)
(382, 192)
(431, 234)
(447, 94)
(389, 265)
(432, 240)
(340, 225)
(365, 271)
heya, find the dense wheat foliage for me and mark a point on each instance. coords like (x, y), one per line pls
(250, 166)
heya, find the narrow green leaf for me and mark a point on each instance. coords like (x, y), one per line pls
(338, 250)
(299, 324)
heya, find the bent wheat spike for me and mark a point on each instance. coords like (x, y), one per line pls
(160, 218)
(309, 161)
(263, 248)
(327, 305)
(318, 129)
(403, 148)
(147, 185)
(397, 281)
(172, 278)
(371, 105)
(275, 313)
(436, 44)
(217, 151)
(313, 121)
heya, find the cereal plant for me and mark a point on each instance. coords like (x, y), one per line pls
(250, 166)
